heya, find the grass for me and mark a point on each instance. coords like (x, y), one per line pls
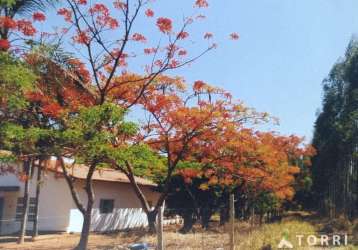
(271, 234)
(247, 237)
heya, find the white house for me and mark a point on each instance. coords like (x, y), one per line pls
(116, 205)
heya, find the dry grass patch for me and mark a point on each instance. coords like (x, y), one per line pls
(247, 238)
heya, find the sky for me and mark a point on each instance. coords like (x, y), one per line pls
(286, 49)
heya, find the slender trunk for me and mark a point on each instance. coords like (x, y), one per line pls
(70, 182)
(150, 212)
(87, 215)
(152, 216)
(86, 227)
(35, 230)
(205, 214)
(189, 220)
(138, 191)
(224, 215)
(25, 202)
(86, 211)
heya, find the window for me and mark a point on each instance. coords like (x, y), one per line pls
(20, 208)
(106, 206)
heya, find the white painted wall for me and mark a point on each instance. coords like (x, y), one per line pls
(58, 212)
(7, 180)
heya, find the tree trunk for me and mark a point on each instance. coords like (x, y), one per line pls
(150, 212)
(224, 215)
(189, 221)
(86, 212)
(152, 216)
(35, 230)
(26, 199)
(205, 214)
(87, 216)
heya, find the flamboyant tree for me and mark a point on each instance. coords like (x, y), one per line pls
(15, 80)
(178, 120)
(29, 108)
(190, 201)
(260, 160)
(106, 45)
(253, 165)
(17, 18)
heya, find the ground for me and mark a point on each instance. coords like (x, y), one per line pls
(247, 237)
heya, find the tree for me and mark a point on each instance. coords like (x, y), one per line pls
(178, 121)
(335, 169)
(11, 28)
(89, 137)
(26, 127)
(191, 202)
(15, 80)
(262, 169)
(102, 76)
(89, 26)
(11, 31)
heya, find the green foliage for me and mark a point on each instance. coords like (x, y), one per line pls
(265, 202)
(189, 165)
(7, 157)
(94, 131)
(23, 141)
(100, 134)
(336, 138)
(7, 3)
(15, 80)
(23, 7)
(17, 132)
(144, 161)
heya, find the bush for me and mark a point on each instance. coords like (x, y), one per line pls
(337, 225)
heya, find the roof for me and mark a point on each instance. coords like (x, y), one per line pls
(80, 171)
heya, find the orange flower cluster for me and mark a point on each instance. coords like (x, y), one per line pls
(38, 16)
(138, 37)
(23, 26)
(201, 3)
(7, 22)
(4, 44)
(59, 91)
(208, 127)
(66, 13)
(149, 13)
(164, 24)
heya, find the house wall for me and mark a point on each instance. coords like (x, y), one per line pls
(8, 223)
(58, 212)
(127, 209)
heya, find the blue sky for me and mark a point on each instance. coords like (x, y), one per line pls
(286, 49)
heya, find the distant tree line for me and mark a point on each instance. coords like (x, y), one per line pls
(335, 167)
